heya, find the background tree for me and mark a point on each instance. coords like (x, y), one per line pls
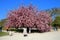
(56, 22)
(54, 11)
(2, 22)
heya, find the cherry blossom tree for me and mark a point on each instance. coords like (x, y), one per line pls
(24, 16)
(29, 17)
(43, 21)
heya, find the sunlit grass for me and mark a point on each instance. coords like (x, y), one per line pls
(3, 33)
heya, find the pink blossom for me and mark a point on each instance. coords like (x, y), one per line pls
(29, 18)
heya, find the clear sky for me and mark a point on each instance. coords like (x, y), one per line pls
(6, 5)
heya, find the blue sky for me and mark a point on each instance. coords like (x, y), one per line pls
(6, 5)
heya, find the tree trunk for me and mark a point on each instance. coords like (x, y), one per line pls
(25, 31)
(29, 30)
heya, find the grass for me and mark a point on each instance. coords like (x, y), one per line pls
(3, 33)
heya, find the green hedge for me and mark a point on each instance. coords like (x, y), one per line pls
(16, 30)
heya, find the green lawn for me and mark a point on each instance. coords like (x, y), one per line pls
(3, 33)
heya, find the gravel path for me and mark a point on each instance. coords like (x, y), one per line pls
(34, 36)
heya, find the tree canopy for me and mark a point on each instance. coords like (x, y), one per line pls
(2, 22)
(29, 17)
(54, 11)
(56, 22)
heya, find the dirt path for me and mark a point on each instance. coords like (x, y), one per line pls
(34, 36)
